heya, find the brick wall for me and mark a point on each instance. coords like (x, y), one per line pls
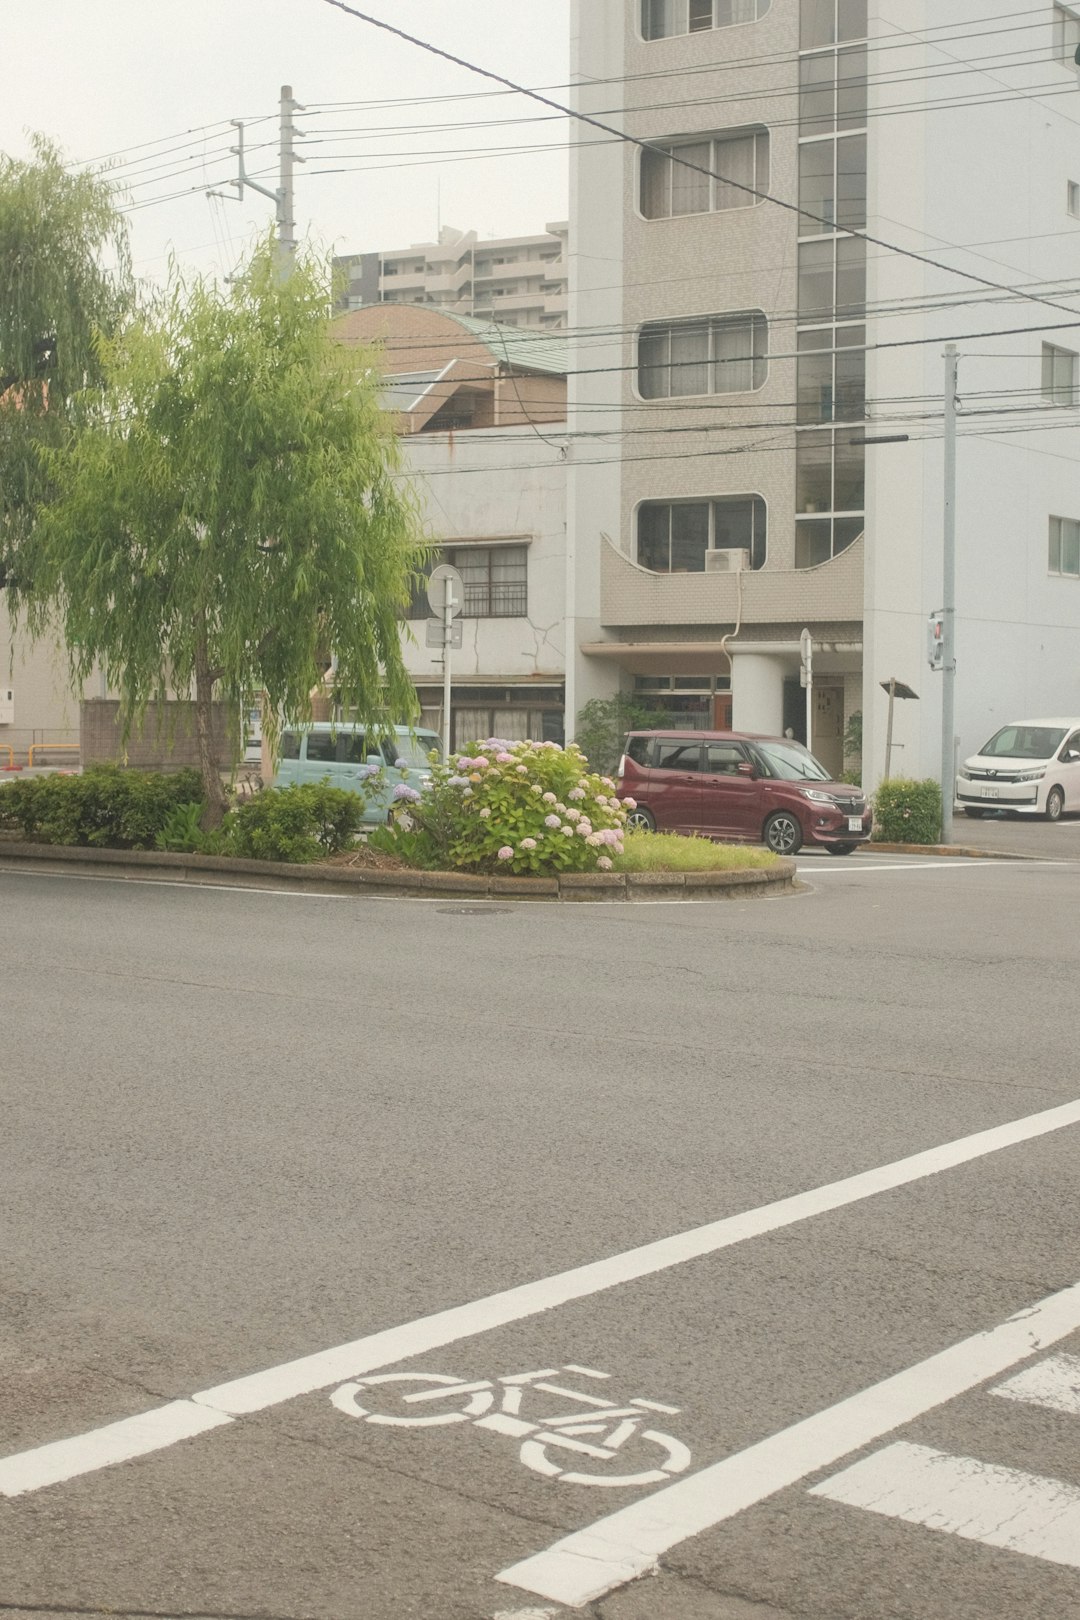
(165, 741)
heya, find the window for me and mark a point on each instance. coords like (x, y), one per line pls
(675, 537)
(1074, 199)
(290, 745)
(669, 188)
(677, 755)
(832, 185)
(829, 479)
(1058, 375)
(721, 354)
(321, 746)
(723, 759)
(832, 374)
(1066, 35)
(829, 22)
(495, 580)
(1065, 547)
(660, 19)
(832, 279)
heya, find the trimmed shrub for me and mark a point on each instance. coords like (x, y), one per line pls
(602, 726)
(509, 807)
(303, 823)
(106, 807)
(907, 812)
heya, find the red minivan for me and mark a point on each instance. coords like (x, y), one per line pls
(742, 789)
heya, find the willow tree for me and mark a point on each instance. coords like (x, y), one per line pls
(236, 512)
(64, 278)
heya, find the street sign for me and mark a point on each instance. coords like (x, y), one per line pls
(436, 590)
(436, 633)
(935, 641)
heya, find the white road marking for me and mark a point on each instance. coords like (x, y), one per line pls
(1053, 1383)
(524, 1614)
(978, 1501)
(585, 1565)
(387, 1348)
(116, 1442)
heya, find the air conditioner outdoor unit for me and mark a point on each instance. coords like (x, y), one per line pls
(726, 562)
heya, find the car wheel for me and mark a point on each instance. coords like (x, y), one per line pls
(783, 835)
(840, 849)
(641, 820)
(1055, 804)
(976, 815)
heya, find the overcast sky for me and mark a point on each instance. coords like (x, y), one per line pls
(156, 82)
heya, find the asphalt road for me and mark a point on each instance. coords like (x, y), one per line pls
(243, 1129)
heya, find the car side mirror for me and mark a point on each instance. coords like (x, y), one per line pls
(745, 768)
(1072, 755)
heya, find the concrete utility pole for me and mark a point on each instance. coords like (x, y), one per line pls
(948, 603)
(282, 198)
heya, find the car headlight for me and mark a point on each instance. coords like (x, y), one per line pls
(963, 775)
(818, 798)
(1032, 776)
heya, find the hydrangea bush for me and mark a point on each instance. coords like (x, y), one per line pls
(521, 808)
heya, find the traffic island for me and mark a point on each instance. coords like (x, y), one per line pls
(229, 872)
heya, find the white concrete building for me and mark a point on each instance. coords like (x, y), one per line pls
(517, 280)
(738, 353)
(483, 411)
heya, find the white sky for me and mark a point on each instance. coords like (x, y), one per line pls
(104, 75)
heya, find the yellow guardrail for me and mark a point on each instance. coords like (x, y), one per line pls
(50, 748)
(6, 748)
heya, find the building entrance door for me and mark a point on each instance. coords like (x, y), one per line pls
(828, 743)
(722, 711)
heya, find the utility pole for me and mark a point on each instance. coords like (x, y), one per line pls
(948, 604)
(283, 197)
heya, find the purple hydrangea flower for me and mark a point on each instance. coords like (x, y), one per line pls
(405, 794)
(457, 781)
(552, 821)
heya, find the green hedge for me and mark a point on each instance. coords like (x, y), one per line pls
(106, 807)
(301, 823)
(907, 812)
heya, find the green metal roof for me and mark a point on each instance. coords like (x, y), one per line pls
(527, 347)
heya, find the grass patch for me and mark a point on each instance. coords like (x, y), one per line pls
(670, 852)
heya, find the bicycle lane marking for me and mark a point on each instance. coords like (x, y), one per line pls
(164, 1426)
(587, 1564)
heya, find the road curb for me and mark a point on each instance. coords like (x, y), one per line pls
(218, 870)
(958, 850)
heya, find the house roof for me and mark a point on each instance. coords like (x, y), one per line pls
(529, 348)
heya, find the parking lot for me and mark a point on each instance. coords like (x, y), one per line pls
(726, 1251)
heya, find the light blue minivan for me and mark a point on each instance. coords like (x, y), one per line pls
(342, 754)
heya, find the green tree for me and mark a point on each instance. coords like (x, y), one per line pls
(64, 277)
(233, 513)
(603, 723)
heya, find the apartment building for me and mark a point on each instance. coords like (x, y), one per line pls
(760, 296)
(516, 280)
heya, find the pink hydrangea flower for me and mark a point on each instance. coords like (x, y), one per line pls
(561, 808)
(629, 804)
(618, 848)
(480, 763)
(552, 821)
(582, 829)
(573, 815)
(594, 841)
(604, 864)
(528, 843)
(568, 832)
(608, 783)
(549, 798)
(522, 770)
(506, 853)
(576, 793)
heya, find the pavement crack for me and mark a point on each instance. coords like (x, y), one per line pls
(421, 1479)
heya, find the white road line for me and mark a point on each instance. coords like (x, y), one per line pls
(583, 1566)
(1053, 1383)
(116, 1442)
(257, 1391)
(978, 1501)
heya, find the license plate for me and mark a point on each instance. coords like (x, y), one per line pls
(854, 823)
(991, 793)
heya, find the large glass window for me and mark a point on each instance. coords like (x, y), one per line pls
(832, 279)
(832, 374)
(1058, 375)
(723, 354)
(660, 19)
(670, 188)
(830, 22)
(832, 185)
(1065, 547)
(675, 537)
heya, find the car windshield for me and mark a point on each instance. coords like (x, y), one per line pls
(1024, 742)
(413, 750)
(789, 762)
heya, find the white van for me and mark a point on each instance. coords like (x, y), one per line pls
(342, 755)
(1031, 767)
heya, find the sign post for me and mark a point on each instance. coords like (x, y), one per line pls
(446, 597)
